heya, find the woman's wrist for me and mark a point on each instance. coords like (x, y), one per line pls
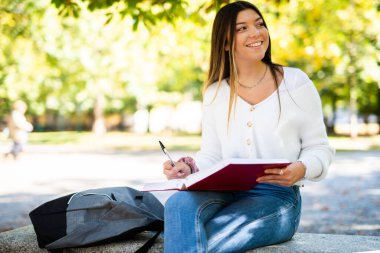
(190, 162)
(302, 166)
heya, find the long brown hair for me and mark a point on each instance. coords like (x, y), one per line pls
(222, 62)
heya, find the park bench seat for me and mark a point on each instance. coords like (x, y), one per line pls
(23, 240)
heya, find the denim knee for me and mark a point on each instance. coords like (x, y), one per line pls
(178, 199)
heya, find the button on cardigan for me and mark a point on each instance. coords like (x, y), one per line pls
(291, 127)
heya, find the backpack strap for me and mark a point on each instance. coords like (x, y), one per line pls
(149, 243)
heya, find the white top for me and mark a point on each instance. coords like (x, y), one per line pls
(262, 131)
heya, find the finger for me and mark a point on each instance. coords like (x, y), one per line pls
(271, 179)
(172, 174)
(276, 171)
(180, 170)
(168, 174)
(277, 180)
(167, 169)
(167, 164)
(183, 167)
(275, 177)
(177, 173)
(170, 171)
(181, 174)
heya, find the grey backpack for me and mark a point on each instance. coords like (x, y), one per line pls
(97, 216)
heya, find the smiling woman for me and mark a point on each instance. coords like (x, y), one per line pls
(253, 109)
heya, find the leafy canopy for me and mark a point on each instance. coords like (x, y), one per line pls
(146, 11)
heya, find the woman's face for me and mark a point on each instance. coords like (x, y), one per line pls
(252, 37)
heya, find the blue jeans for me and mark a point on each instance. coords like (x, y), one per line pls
(231, 221)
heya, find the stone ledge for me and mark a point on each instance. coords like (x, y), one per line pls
(23, 240)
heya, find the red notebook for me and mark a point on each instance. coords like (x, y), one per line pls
(227, 175)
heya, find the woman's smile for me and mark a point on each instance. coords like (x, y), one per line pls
(255, 44)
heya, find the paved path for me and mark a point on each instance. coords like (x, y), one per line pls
(346, 202)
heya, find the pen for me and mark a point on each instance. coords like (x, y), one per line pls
(166, 153)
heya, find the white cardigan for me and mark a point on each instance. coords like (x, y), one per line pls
(262, 131)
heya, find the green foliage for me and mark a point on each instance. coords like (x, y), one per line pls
(59, 55)
(16, 29)
(124, 104)
(336, 43)
(147, 12)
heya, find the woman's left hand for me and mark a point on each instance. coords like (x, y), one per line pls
(284, 176)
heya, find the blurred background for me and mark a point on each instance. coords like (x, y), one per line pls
(112, 77)
(124, 65)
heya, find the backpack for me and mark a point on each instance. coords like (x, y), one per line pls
(97, 216)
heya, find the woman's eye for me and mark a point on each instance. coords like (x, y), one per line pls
(240, 29)
(261, 24)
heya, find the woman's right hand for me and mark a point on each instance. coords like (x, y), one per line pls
(180, 170)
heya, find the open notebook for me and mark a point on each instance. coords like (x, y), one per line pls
(227, 175)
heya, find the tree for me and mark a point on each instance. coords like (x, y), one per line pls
(114, 51)
(156, 14)
(19, 54)
(338, 46)
(146, 11)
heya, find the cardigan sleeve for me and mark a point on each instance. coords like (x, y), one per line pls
(210, 151)
(316, 153)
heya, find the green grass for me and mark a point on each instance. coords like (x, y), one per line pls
(123, 141)
(57, 138)
(117, 140)
(363, 143)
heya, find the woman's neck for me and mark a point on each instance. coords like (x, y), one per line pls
(251, 71)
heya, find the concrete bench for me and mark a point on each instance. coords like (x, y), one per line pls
(23, 240)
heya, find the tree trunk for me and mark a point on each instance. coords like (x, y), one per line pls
(378, 106)
(333, 120)
(353, 71)
(354, 112)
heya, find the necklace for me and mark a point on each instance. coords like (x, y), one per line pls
(258, 82)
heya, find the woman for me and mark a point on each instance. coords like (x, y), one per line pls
(252, 108)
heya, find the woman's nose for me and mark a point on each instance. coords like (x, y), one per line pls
(254, 32)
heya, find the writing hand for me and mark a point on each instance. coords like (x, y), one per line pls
(284, 176)
(180, 170)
